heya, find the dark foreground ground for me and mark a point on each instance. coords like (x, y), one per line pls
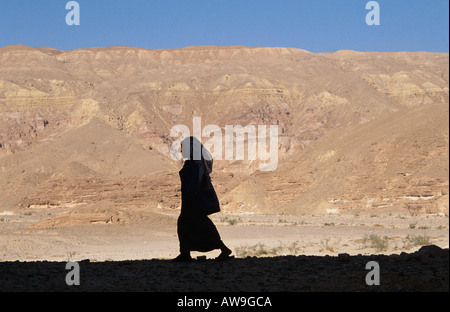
(424, 270)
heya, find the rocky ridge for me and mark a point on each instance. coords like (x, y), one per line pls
(378, 121)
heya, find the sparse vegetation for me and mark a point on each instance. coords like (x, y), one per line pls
(413, 209)
(293, 248)
(419, 240)
(326, 244)
(421, 227)
(376, 241)
(382, 243)
(230, 221)
(253, 251)
(70, 255)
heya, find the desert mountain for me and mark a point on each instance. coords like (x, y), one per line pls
(397, 161)
(356, 130)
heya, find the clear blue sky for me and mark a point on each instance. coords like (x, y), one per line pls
(314, 25)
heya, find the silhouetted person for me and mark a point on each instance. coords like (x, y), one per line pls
(196, 232)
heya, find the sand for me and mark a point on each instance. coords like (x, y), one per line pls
(273, 253)
(153, 235)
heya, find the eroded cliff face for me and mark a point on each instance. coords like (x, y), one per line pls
(125, 101)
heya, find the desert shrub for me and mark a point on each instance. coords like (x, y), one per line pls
(260, 249)
(418, 240)
(376, 241)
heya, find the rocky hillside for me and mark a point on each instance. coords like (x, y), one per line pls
(356, 130)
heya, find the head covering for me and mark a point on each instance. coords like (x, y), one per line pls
(197, 153)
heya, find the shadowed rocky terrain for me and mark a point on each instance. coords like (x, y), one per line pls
(424, 270)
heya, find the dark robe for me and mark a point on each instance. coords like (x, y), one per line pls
(196, 232)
